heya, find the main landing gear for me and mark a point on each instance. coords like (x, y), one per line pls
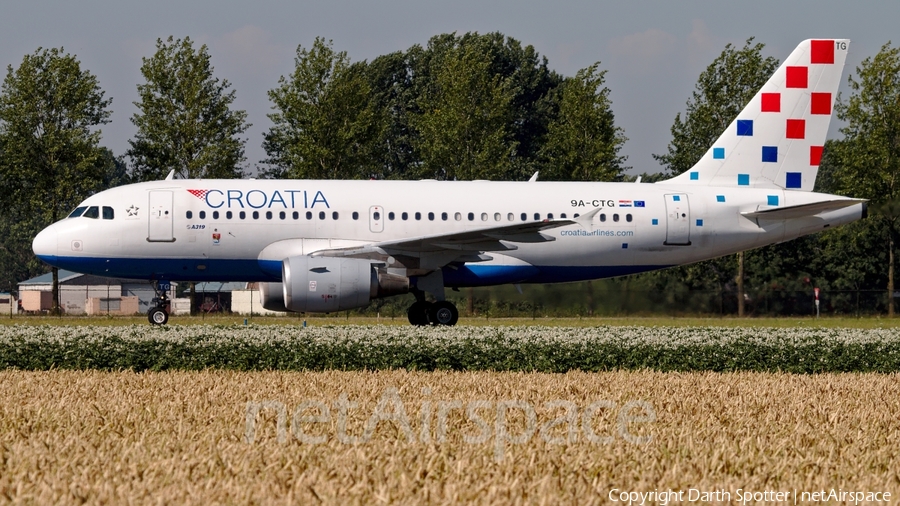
(159, 314)
(422, 312)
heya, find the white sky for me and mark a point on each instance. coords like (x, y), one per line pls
(653, 51)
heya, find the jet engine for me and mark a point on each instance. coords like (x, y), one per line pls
(271, 295)
(327, 284)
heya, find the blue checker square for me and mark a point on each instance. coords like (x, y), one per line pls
(676, 198)
(772, 200)
(720, 198)
(695, 176)
(624, 245)
(654, 221)
(719, 153)
(699, 223)
(793, 180)
(744, 128)
(770, 153)
(743, 179)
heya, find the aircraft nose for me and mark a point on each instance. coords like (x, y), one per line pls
(45, 244)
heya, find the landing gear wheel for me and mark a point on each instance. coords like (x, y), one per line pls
(158, 316)
(418, 313)
(443, 313)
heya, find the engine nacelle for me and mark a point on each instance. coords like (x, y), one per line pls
(327, 284)
(271, 295)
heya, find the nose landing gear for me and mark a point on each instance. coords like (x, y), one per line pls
(159, 314)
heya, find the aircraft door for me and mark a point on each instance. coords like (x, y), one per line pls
(678, 220)
(161, 216)
(376, 219)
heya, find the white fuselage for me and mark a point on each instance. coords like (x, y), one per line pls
(224, 230)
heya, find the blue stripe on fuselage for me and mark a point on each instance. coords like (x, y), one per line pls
(192, 269)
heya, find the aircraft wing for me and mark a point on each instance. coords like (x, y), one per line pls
(497, 238)
(802, 210)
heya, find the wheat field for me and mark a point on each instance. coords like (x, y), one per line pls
(182, 437)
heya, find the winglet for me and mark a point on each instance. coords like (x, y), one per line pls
(585, 219)
(171, 175)
(534, 177)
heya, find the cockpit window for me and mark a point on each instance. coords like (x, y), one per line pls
(108, 213)
(92, 212)
(77, 212)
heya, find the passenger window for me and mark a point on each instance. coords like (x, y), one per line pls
(108, 213)
(616, 217)
(484, 216)
(471, 216)
(537, 216)
(510, 217)
(282, 215)
(296, 215)
(575, 215)
(549, 216)
(202, 215)
(229, 214)
(255, 215)
(444, 216)
(602, 217)
(355, 215)
(322, 215)
(497, 217)
(430, 216)
(375, 216)
(628, 218)
(391, 215)
(404, 216)
(334, 215)
(563, 215)
(268, 215)
(524, 217)
(80, 210)
(92, 212)
(457, 216)
(418, 216)
(187, 215)
(308, 215)
(243, 215)
(215, 215)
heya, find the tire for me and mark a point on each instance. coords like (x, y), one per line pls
(418, 313)
(443, 313)
(158, 316)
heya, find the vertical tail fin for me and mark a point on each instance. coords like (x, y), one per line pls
(777, 140)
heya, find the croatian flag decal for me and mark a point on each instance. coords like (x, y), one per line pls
(624, 203)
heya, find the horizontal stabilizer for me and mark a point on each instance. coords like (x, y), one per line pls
(802, 210)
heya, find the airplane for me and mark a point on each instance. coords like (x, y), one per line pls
(330, 245)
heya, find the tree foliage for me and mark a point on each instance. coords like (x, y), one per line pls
(51, 159)
(323, 124)
(185, 122)
(582, 141)
(721, 92)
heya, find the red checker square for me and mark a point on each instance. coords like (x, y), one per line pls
(820, 103)
(815, 155)
(797, 77)
(822, 51)
(771, 102)
(796, 128)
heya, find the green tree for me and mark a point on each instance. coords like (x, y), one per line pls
(721, 92)
(582, 141)
(185, 122)
(463, 124)
(324, 124)
(49, 113)
(867, 159)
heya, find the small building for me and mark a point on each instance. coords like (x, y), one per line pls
(246, 301)
(8, 304)
(88, 294)
(215, 296)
